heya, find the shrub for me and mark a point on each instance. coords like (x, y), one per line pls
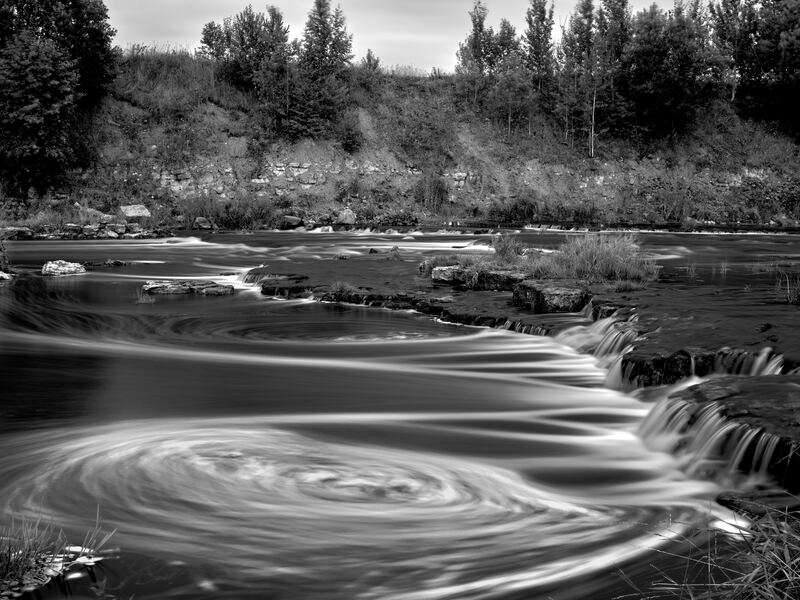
(431, 191)
(596, 257)
(508, 247)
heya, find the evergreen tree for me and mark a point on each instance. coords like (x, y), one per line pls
(56, 66)
(670, 69)
(538, 44)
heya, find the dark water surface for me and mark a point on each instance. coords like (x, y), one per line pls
(246, 447)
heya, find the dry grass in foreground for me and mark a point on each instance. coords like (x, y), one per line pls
(762, 564)
(32, 553)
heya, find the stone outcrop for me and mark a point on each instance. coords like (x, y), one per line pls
(178, 287)
(133, 212)
(56, 268)
(547, 297)
(449, 275)
(768, 405)
(202, 223)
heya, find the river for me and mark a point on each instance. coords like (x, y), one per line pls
(248, 447)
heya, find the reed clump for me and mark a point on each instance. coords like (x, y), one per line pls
(596, 257)
(763, 564)
(787, 287)
(32, 553)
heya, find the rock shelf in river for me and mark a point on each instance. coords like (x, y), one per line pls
(57, 268)
(201, 287)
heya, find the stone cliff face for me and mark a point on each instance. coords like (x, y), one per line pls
(211, 157)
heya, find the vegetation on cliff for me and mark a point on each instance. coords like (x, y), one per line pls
(627, 119)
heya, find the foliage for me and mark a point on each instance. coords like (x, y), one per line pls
(431, 191)
(508, 247)
(670, 69)
(56, 66)
(596, 257)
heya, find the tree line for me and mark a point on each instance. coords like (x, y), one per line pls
(610, 74)
(56, 66)
(301, 84)
(645, 75)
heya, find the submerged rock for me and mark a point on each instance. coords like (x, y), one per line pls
(202, 287)
(55, 268)
(543, 297)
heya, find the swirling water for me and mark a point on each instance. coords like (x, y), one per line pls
(247, 447)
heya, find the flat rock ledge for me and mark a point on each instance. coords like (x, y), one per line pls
(476, 280)
(58, 268)
(770, 406)
(202, 287)
(550, 297)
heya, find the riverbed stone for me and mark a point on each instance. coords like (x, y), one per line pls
(346, 217)
(135, 211)
(202, 223)
(290, 222)
(179, 287)
(546, 297)
(56, 268)
(449, 274)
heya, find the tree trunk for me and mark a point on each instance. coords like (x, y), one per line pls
(591, 129)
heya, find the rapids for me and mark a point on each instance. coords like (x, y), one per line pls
(247, 447)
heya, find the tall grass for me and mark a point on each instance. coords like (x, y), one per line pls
(508, 247)
(787, 287)
(763, 564)
(32, 553)
(596, 257)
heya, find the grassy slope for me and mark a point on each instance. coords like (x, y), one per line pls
(170, 118)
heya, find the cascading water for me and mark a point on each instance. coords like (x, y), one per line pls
(246, 447)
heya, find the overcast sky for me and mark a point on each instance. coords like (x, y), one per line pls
(423, 33)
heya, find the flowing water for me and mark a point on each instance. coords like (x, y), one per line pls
(248, 447)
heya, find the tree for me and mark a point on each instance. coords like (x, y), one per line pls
(57, 66)
(670, 69)
(735, 24)
(37, 111)
(538, 44)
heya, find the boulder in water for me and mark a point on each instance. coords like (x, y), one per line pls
(546, 297)
(55, 268)
(202, 287)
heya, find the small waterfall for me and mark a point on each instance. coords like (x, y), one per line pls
(608, 337)
(709, 445)
(741, 362)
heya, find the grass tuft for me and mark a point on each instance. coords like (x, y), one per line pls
(508, 247)
(32, 553)
(761, 563)
(787, 287)
(597, 257)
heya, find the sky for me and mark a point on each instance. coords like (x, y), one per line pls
(421, 33)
